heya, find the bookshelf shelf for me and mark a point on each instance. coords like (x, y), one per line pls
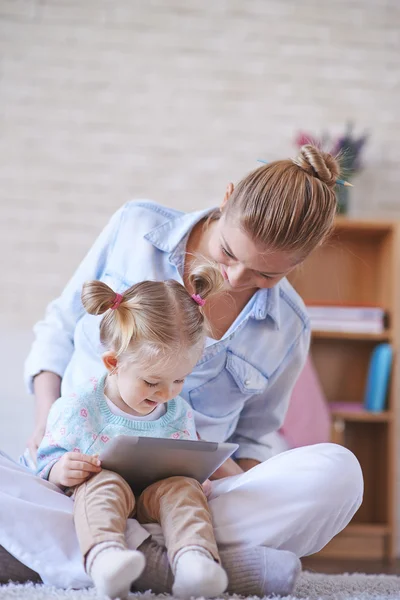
(363, 416)
(359, 266)
(385, 336)
(359, 540)
(368, 529)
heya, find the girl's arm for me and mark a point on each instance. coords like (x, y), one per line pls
(61, 455)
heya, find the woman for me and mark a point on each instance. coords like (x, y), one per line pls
(296, 501)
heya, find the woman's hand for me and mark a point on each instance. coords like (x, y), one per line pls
(74, 468)
(227, 469)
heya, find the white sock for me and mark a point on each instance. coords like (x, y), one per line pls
(114, 569)
(197, 574)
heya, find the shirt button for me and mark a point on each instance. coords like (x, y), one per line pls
(247, 382)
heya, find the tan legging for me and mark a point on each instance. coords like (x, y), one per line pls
(104, 502)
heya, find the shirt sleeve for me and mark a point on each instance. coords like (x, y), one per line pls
(265, 413)
(61, 435)
(53, 346)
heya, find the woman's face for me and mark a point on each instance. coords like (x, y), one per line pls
(244, 265)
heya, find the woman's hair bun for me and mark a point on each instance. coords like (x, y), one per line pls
(321, 165)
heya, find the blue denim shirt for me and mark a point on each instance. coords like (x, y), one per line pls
(240, 388)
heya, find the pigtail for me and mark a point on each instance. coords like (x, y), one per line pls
(97, 297)
(206, 279)
(118, 327)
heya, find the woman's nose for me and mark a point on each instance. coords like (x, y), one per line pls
(238, 276)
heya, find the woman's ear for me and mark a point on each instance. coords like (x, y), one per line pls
(229, 190)
(110, 362)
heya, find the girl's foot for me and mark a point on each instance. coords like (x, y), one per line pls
(197, 574)
(114, 569)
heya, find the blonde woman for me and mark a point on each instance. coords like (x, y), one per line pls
(240, 388)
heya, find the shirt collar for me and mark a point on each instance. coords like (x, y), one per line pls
(167, 238)
(267, 304)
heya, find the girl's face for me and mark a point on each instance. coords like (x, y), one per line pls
(244, 265)
(138, 388)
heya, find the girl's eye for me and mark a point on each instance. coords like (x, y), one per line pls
(150, 384)
(179, 381)
(266, 276)
(225, 251)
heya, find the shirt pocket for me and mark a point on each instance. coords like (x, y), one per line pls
(226, 393)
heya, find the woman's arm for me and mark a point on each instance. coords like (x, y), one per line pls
(231, 467)
(227, 469)
(247, 463)
(47, 388)
(54, 335)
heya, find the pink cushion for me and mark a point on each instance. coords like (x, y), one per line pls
(308, 419)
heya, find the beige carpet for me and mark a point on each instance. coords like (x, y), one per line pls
(311, 586)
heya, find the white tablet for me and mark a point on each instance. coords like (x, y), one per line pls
(144, 460)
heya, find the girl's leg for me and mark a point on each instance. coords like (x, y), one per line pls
(102, 506)
(37, 528)
(315, 490)
(180, 506)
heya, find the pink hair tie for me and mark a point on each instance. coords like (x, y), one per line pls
(117, 301)
(198, 299)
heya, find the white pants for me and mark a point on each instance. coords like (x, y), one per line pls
(297, 501)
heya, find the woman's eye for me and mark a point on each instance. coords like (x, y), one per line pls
(150, 384)
(225, 251)
(179, 381)
(266, 276)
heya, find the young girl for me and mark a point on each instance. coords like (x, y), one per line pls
(153, 335)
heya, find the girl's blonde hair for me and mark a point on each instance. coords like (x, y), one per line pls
(161, 314)
(288, 205)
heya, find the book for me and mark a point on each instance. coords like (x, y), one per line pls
(347, 318)
(347, 313)
(347, 326)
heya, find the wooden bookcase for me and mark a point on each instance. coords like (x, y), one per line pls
(360, 264)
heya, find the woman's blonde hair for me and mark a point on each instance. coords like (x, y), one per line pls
(288, 205)
(160, 314)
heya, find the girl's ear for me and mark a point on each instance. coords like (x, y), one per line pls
(229, 190)
(110, 362)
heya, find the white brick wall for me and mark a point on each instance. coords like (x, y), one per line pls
(102, 101)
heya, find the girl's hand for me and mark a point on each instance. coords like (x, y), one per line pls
(74, 468)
